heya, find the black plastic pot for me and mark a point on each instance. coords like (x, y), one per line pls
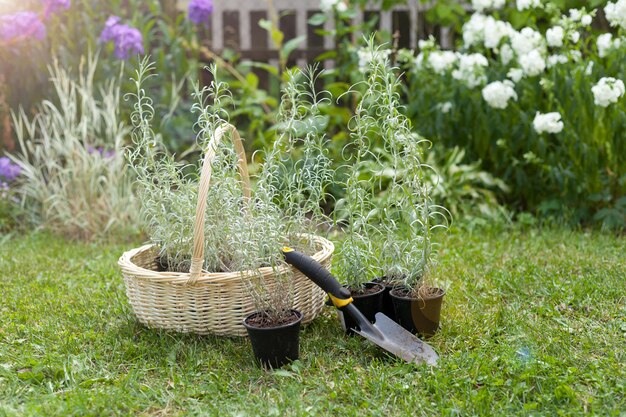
(274, 347)
(368, 304)
(418, 315)
(387, 308)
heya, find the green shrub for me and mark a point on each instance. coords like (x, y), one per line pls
(499, 97)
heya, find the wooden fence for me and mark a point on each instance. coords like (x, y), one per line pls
(234, 25)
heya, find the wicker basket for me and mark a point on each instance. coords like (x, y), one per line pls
(209, 303)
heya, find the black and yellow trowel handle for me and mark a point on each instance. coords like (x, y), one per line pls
(339, 295)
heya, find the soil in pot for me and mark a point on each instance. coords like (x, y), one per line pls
(274, 342)
(418, 314)
(387, 308)
(368, 300)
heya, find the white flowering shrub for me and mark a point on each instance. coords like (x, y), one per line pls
(543, 107)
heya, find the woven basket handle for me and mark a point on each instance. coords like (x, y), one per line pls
(197, 258)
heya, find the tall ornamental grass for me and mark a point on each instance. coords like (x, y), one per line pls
(74, 179)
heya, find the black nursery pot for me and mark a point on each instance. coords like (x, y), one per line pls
(368, 304)
(387, 308)
(418, 315)
(276, 346)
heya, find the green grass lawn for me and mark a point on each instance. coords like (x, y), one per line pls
(534, 323)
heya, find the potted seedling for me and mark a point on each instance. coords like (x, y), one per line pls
(356, 264)
(274, 328)
(408, 217)
(214, 256)
(417, 303)
(297, 189)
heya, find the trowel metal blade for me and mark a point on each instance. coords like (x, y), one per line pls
(395, 339)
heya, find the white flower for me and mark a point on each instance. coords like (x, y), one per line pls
(574, 36)
(485, 29)
(607, 91)
(515, 74)
(576, 55)
(589, 69)
(606, 43)
(442, 61)
(575, 14)
(616, 13)
(444, 107)
(554, 36)
(366, 57)
(526, 40)
(429, 43)
(471, 69)
(532, 63)
(474, 30)
(328, 5)
(548, 123)
(556, 59)
(480, 5)
(506, 54)
(527, 4)
(419, 60)
(498, 93)
(494, 31)
(586, 20)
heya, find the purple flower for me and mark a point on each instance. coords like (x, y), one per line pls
(200, 10)
(21, 25)
(100, 150)
(108, 33)
(8, 170)
(128, 40)
(53, 6)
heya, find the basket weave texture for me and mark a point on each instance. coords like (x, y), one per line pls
(211, 302)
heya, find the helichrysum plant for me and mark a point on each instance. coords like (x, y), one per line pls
(356, 261)
(74, 179)
(407, 215)
(240, 234)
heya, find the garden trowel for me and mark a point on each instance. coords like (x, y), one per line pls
(385, 332)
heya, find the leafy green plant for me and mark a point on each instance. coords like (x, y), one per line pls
(74, 179)
(463, 188)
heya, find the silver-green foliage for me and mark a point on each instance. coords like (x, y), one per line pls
(407, 215)
(240, 234)
(296, 169)
(74, 177)
(356, 263)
